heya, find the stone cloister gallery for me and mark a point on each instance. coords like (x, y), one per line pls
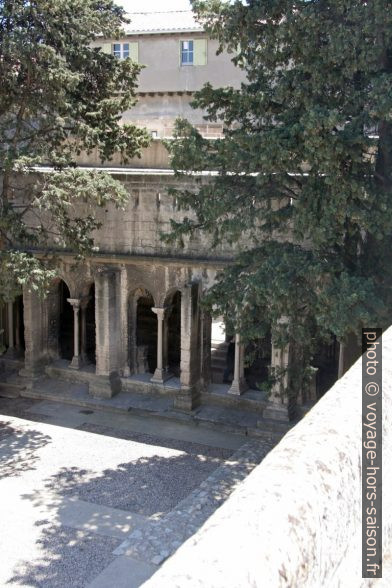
(135, 325)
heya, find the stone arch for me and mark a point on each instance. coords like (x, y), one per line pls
(142, 329)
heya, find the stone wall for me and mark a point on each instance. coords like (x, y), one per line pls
(138, 229)
(296, 520)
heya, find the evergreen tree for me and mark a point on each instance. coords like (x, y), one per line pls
(304, 170)
(59, 96)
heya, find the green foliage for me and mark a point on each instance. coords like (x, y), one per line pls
(59, 97)
(304, 168)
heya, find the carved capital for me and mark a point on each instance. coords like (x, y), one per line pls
(161, 312)
(75, 303)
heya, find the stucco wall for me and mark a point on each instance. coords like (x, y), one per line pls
(160, 54)
(296, 520)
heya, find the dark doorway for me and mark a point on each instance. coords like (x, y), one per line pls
(174, 335)
(66, 323)
(146, 330)
(90, 326)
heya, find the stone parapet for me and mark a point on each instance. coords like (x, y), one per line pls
(295, 521)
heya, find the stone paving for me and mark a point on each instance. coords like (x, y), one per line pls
(158, 539)
(103, 499)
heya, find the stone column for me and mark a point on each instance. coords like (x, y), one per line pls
(76, 360)
(238, 385)
(277, 407)
(189, 396)
(161, 374)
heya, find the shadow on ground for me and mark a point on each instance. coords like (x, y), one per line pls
(147, 486)
(18, 449)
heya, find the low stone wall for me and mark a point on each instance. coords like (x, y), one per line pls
(295, 521)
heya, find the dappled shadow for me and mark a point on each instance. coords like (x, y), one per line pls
(70, 558)
(147, 486)
(19, 448)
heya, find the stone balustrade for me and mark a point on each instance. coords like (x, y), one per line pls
(295, 521)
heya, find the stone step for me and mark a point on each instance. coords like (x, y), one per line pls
(251, 400)
(9, 390)
(11, 384)
(233, 414)
(234, 420)
(219, 345)
(218, 364)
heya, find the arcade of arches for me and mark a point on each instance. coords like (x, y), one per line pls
(156, 333)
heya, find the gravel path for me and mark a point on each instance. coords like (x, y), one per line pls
(43, 466)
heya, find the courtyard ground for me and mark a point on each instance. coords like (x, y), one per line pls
(97, 499)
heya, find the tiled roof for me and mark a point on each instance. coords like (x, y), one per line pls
(162, 22)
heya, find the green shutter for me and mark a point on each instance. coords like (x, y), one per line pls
(106, 48)
(134, 51)
(200, 52)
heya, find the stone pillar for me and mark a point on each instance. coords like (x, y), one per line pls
(36, 335)
(161, 373)
(277, 407)
(108, 343)
(125, 364)
(76, 360)
(239, 384)
(189, 395)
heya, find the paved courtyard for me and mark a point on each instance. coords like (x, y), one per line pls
(97, 499)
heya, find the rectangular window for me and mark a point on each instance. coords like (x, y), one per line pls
(121, 50)
(117, 50)
(186, 52)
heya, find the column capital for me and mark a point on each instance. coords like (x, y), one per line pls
(74, 302)
(161, 312)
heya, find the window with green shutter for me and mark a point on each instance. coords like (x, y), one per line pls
(193, 52)
(200, 52)
(122, 50)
